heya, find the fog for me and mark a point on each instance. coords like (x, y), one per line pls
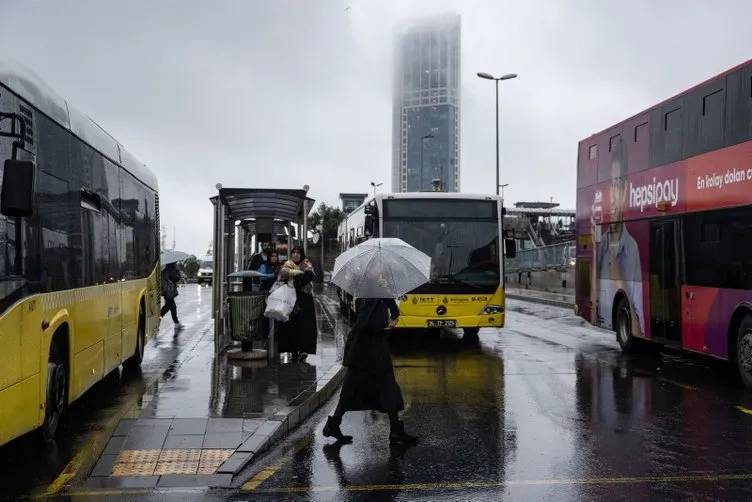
(287, 93)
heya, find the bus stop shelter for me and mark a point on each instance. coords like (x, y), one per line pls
(238, 214)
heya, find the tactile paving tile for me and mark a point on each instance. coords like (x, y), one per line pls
(180, 455)
(211, 459)
(176, 468)
(133, 456)
(134, 468)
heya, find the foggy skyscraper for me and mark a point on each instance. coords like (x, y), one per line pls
(426, 114)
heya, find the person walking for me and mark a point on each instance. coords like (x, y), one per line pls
(369, 383)
(169, 285)
(271, 269)
(299, 334)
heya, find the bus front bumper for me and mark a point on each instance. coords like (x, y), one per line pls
(474, 321)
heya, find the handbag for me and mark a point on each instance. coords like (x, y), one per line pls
(280, 302)
(169, 290)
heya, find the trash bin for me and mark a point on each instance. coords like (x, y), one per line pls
(247, 317)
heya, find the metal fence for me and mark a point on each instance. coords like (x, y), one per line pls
(556, 256)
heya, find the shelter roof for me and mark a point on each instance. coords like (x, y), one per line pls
(274, 203)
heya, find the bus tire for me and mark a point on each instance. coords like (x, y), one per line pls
(744, 351)
(623, 325)
(56, 402)
(138, 354)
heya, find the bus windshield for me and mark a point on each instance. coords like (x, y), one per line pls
(460, 236)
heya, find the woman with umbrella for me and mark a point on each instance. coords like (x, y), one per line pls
(169, 284)
(378, 272)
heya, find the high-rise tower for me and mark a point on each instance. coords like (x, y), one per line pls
(426, 115)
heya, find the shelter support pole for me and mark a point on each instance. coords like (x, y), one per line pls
(305, 227)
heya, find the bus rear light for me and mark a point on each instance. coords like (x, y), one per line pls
(662, 206)
(492, 309)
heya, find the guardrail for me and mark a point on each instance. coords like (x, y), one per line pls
(556, 256)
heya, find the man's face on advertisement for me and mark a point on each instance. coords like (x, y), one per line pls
(618, 191)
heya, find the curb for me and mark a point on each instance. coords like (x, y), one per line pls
(288, 417)
(283, 422)
(544, 301)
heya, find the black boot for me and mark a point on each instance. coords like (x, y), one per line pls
(398, 435)
(331, 430)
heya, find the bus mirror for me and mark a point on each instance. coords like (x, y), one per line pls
(510, 248)
(17, 196)
(368, 224)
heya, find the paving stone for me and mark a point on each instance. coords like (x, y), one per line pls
(124, 426)
(188, 426)
(104, 465)
(268, 428)
(121, 482)
(256, 443)
(184, 441)
(193, 480)
(154, 422)
(223, 439)
(235, 463)
(114, 445)
(141, 438)
(224, 425)
(252, 424)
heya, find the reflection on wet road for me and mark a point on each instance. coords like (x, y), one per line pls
(547, 408)
(27, 466)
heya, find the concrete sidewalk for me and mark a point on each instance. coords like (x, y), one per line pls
(206, 418)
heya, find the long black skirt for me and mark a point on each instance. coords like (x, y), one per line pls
(363, 390)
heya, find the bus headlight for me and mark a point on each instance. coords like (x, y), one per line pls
(492, 309)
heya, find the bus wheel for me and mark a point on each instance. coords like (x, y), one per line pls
(744, 351)
(138, 354)
(57, 393)
(624, 326)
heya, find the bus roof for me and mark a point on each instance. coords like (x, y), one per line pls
(438, 195)
(704, 82)
(27, 85)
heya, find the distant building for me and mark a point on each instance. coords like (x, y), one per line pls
(351, 201)
(426, 107)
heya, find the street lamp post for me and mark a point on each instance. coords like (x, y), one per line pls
(502, 189)
(488, 76)
(375, 186)
(422, 146)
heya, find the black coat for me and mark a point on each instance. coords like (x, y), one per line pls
(300, 334)
(369, 382)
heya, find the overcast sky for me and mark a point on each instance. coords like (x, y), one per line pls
(287, 93)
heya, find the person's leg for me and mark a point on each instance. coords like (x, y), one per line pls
(397, 434)
(331, 429)
(165, 308)
(174, 311)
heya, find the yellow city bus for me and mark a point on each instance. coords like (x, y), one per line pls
(79, 255)
(462, 235)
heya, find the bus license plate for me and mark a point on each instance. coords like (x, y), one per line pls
(442, 323)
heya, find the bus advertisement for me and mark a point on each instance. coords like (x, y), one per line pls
(79, 265)
(462, 234)
(664, 223)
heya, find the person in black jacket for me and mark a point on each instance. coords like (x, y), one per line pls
(170, 278)
(369, 382)
(299, 334)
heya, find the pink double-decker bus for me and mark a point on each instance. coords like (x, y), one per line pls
(664, 223)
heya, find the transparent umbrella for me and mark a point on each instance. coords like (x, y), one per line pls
(381, 268)
(172, 257)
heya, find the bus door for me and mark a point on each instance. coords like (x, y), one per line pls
(665, 284)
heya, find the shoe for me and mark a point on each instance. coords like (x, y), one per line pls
(179, 326)
(398, 435)
(332, 430)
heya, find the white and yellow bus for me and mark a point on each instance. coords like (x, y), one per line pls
(79, 255)
(462, 234)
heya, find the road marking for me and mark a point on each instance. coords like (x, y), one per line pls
(465, 485)
(268, 472)
(744, 410)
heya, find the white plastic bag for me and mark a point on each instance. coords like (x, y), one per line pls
(280, 302)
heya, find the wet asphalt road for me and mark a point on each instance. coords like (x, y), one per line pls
(28, 467)
(546, 409)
